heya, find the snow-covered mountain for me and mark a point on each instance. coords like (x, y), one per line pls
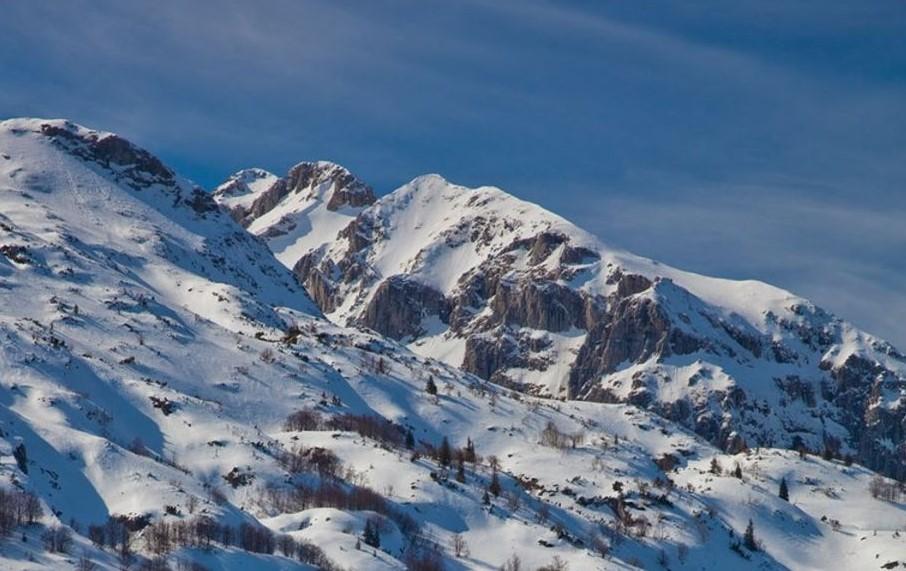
(296, 212)
(513, 293)
(171, 398)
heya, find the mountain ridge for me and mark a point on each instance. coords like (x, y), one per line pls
(509, 291)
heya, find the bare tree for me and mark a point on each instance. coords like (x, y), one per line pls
(459, 545)
(514, 563)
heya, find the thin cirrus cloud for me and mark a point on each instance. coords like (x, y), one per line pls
(751, 140)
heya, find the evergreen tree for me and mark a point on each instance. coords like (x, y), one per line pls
(737, 472)
(470, 455)
(410, 439)
(371, 535)
(494, 487)
(486, 498)
(444, 455)
(784, 490)
(21, 456)
(430, 387)
(715, 467)
(460, 466)
(749, 538)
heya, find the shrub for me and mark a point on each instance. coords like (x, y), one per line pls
(881, 488)
(313, 555)
(256, 539)
(18, 508)
(552, 436)
(419, 558)
(57, 539)
(320, 460)
(556, 564)
(305, 419)
(667, 462)
(369, 426)
(267, 356)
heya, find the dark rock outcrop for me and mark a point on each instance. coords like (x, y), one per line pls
(400, 304)
(546, 305)
(339, 187)
(487, 354)
(133, 165)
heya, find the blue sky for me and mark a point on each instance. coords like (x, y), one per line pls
(749, 139)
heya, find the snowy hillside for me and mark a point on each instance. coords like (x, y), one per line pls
(515, 294)
(172, 399)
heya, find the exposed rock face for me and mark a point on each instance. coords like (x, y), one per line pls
(319, 287)
(528, 301)
(546, 305)
(858, 387)
(322, 181)
(137, 167)
(634, 331)
(399, 306)
(487, 354)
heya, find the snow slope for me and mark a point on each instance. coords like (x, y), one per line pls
(152, 350)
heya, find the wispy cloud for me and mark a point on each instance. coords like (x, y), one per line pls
(751, 139)
(844, 256)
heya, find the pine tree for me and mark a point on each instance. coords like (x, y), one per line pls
(444, 455)
(371, 535)
(460, 466)
(21, 456)
(784, 490)
(410, 439)
(715, 467)
(749, 538)
(486, 498)
(430, 387)
(470, 455)
(494, 487)
(737, 472)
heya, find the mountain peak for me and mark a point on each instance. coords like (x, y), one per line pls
(132, 164)
(108, 155)
(243, 187)
(285, 210)
(85, 187)
(252, 193)
(329, 182)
